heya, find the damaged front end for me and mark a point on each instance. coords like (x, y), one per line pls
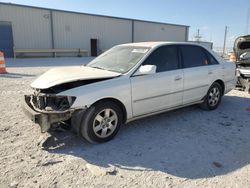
(47, 106)
(242, 53)
(48, 109)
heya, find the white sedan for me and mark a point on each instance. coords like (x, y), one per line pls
(128, 82)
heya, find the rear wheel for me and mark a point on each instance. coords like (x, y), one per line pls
(101, 122)
(213, 97)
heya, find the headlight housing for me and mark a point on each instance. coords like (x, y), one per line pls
(48, 102)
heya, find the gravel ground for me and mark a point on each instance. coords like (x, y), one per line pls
(183, 148)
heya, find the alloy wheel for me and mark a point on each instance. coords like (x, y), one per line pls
(105, 123)
(214, 96)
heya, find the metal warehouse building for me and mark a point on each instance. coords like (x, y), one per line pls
(33, 31)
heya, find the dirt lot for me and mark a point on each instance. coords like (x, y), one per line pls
(183, 148)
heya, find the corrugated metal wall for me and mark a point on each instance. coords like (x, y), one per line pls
(31, 27)
(147, 31)
(76, 30)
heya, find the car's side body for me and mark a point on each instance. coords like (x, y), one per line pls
(172, 86)
(149, 94)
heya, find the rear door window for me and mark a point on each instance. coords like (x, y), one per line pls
(211, 59)
(193, 56)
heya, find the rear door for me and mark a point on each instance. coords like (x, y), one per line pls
(197, 73)
(6, 39)
(162, 90)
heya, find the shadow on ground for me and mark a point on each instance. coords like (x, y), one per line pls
(188, 143)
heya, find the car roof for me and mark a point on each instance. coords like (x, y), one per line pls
(153, 44)
(162, 43)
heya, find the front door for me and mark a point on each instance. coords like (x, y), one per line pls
(6, 39)
(162, 90)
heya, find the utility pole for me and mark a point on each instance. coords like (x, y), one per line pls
(247, 24)
(225, 39)
(198, 37)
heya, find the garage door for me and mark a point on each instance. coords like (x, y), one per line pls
(6, 39)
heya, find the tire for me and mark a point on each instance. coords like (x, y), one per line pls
(101, 122)
(213, 97)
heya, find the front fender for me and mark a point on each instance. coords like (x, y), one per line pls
(117, 88)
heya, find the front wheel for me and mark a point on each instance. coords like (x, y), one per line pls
(101, 122)
(213, 97)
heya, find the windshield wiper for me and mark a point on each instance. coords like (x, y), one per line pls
(98, 67)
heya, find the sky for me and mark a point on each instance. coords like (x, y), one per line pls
(209, 16)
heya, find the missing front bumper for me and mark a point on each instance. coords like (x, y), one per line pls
(45, 120)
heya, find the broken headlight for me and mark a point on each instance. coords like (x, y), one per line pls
(52, 102)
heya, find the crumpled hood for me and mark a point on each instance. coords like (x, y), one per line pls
(62, 75)
(241, 46)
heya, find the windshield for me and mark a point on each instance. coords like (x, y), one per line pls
(119, 59)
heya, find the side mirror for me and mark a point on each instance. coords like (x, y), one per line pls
(145, 70)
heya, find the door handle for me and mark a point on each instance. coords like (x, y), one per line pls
(178, 78)
(210, 72)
